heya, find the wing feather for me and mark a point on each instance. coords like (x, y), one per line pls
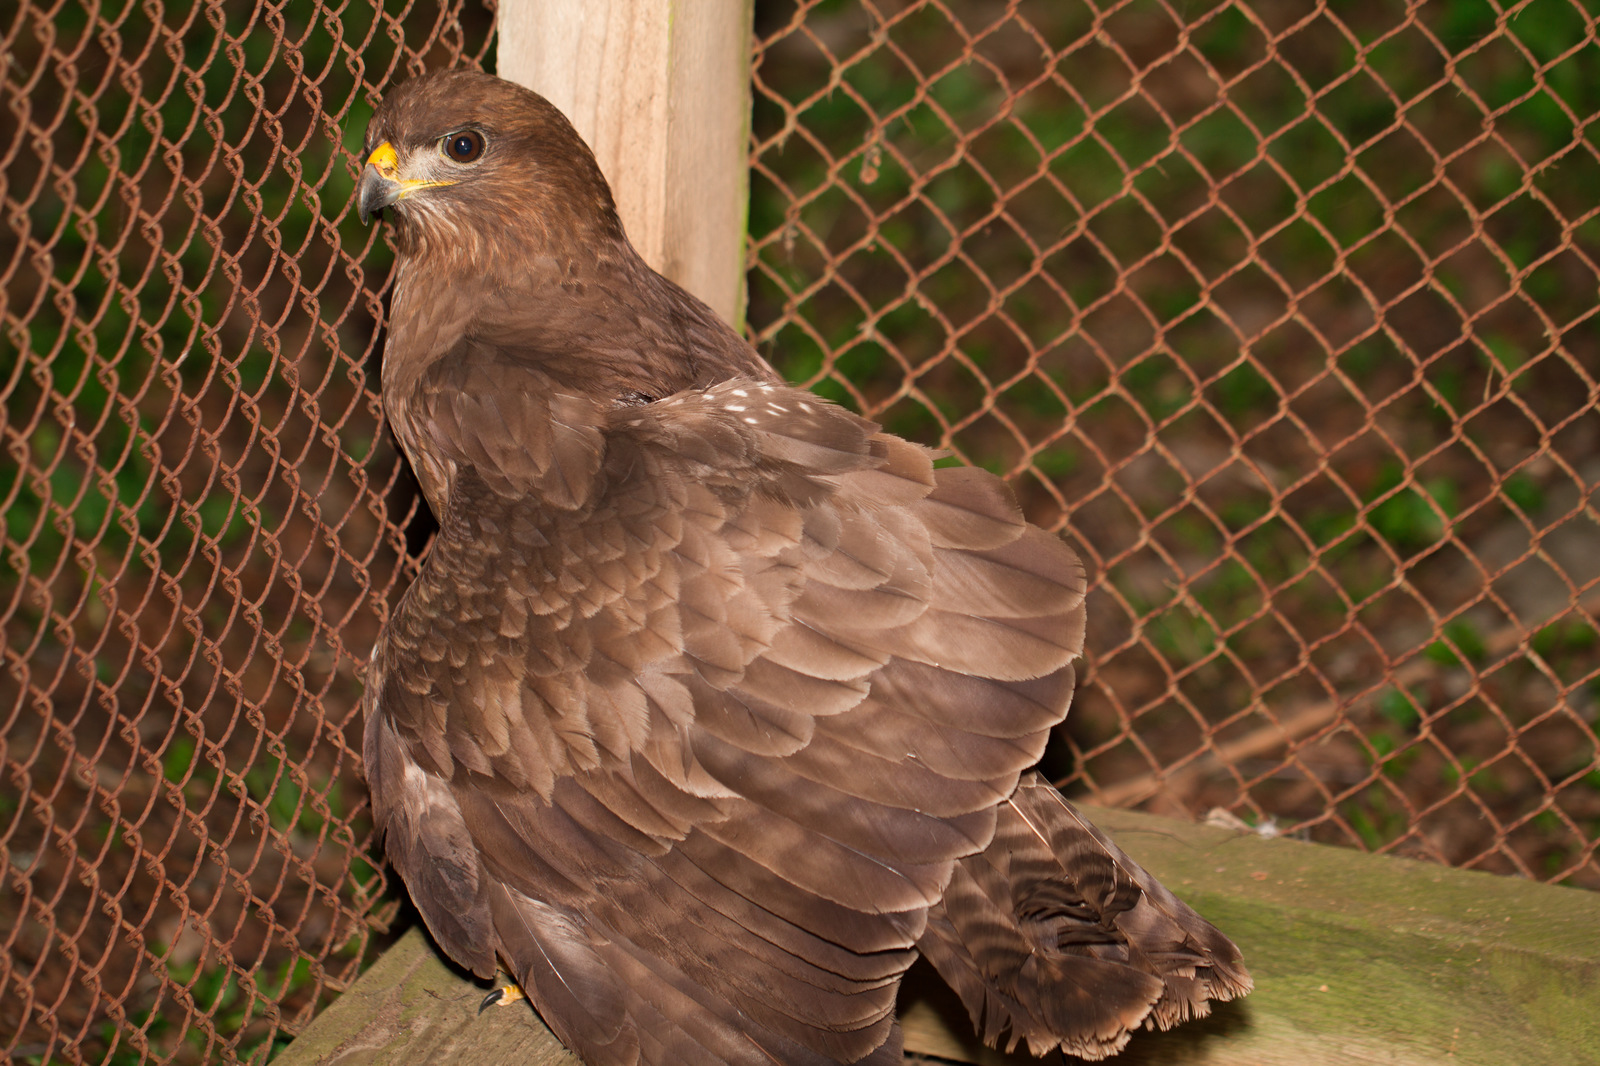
(855, 931)
(968, 508)
(887, 832)
(827, 868)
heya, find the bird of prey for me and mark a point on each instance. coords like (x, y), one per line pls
(713, 705)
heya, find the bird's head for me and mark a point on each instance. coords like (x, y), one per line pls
(509, 238)
(457, 156)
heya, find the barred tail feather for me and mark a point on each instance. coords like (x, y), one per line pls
(1053, 936)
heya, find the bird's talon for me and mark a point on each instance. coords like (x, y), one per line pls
(509, 992)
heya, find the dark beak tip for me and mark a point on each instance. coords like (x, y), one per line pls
(374, 192)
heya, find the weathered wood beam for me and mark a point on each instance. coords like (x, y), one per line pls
(661, 91)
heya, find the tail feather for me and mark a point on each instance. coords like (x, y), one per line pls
(1055, 937)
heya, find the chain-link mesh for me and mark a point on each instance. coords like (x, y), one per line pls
(197, 553)
(1286, 313)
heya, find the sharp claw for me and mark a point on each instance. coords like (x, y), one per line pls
(509, 992)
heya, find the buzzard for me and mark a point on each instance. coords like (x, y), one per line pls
(713, 705)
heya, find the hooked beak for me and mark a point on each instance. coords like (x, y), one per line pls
(380, 183)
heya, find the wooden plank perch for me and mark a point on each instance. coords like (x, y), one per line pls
(1358, 959)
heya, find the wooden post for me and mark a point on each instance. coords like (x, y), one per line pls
(661, 91)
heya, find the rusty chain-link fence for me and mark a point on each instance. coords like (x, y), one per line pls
(1284, 312)
(198, 543)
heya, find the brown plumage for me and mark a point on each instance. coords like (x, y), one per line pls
(710, 706)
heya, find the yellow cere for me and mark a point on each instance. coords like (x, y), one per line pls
(384, 159)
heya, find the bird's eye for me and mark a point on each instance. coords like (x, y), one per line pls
(464, 147)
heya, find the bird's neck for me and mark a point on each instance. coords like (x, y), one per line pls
(605, 324)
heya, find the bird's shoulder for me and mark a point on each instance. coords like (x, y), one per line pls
(528, 434)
